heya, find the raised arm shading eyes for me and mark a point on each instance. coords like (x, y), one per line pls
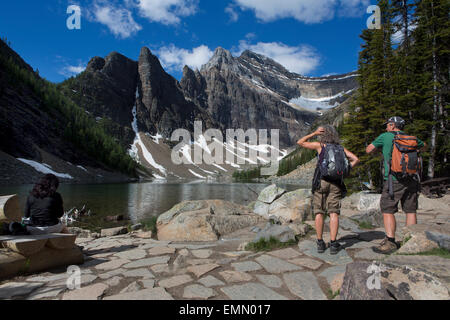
(303, 142)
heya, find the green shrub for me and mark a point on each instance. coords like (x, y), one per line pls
(149, 224)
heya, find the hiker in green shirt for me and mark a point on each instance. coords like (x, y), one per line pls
(404, 190)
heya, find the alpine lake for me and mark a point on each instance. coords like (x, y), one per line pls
(138, 202)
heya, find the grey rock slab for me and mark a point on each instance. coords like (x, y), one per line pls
(307, 263)
(139, 273)
(282, 233)
(194, 262)
(275, 265)
(432, 264)
(332, 272)
(92, 292)
(261, 209)
(236, 253)
(111, 273)
(147, 262)
(46, 292)
(285, 254)
(113, 264)
(84, 280)
(200, 270)
(235, 276)
(157, 293)
(270, 193)
(368, 254)
(246, 266)
(271, 281)
(160, 268)
(14, 289)
(196, 291)
(306, 245)
(114, 281)
(304, 285)
(147, 284)
(252, 291)
(184, 252)
(132, 287)
(443, 240)
(191, 246)
(133, 254)
(49, 278)
(359, 245)
(202, 253)
(337, 259)
(175, 281)
(158, 251)
(150, 243)
(210, 281)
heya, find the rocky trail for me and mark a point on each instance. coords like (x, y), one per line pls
(131, 267)
(136, 266)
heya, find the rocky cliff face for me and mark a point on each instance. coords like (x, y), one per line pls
(246, 92)
(253, 91)
(161, 105)
(107, 90)
(33, 131)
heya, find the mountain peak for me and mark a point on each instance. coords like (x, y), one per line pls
(221, 59)
(221, 52)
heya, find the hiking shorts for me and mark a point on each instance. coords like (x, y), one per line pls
(327, 198)
(406, 192)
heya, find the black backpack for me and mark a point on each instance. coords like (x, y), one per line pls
(333, 163)
(14, 229)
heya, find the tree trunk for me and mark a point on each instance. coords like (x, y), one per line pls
(431, 163)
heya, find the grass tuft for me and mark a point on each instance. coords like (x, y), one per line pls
(267, 245)
(440, 252)
(149, 224)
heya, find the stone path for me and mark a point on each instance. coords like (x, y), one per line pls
(131, 267)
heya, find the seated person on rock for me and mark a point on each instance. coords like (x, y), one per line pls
(44, 207)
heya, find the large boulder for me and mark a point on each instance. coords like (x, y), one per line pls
(373, 217)
(292, 206)
(434, 205)
(204, 220)
(271, 193)
(369, 281)
(369, 201)
(417, 243)
(424, 237)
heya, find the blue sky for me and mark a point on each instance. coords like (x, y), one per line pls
(310, 37)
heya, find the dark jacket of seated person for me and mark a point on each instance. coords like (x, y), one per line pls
(44, 212)
(44, 205)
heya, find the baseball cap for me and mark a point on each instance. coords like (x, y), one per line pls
(399, 122)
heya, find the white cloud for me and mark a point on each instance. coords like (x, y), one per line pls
(175, 59)
(301, 59)
(166, 11)
(234, 16)
(69, 71)
(307, 11)
(353, 8)
(118, 20)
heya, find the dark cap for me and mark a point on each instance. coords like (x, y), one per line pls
(399, 122)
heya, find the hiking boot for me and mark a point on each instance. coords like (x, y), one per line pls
(335, 247)
(385, 247)
(321, 246)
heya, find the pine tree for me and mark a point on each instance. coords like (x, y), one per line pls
(375, 99)
(431, 51)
